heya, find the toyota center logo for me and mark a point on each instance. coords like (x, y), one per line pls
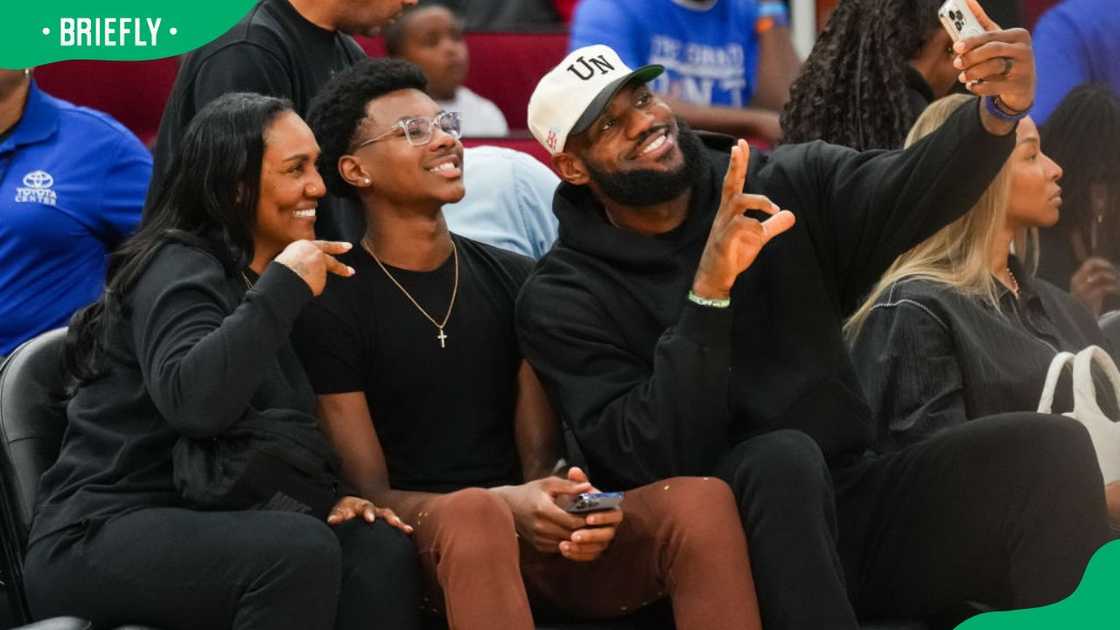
(37, 189)
(38, 180)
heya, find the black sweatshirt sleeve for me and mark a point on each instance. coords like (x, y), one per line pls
(635, 423)
(201, 363)
(865, 209)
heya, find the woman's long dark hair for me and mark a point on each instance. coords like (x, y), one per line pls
(852, 89)
(1083, 137)
(208, 199)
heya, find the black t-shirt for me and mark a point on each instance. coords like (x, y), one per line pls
(487, 15)
(444, 416)
(273, 50)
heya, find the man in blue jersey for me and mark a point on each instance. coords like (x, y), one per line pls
(72, 184)
(728, 63)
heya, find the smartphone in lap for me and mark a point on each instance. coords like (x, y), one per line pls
(594, 502)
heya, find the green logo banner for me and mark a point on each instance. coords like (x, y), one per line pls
(1091, 607)
(43, 31)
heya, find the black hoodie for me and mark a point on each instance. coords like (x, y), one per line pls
(655, 386)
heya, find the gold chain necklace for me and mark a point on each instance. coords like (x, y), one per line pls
(442, 337)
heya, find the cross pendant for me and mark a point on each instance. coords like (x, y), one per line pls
(442, 339)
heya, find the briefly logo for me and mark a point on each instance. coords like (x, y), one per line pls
(37, 189)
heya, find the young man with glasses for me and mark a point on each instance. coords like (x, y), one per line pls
(424, 392)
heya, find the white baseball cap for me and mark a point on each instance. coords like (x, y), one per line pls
(573, 94)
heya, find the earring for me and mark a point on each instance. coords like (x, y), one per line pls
(366, 181)
(27, 72)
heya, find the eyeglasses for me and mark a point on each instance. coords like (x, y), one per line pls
(418, 131)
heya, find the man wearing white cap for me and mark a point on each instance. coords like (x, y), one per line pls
(677, 334)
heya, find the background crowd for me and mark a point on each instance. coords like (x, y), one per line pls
(962, 325)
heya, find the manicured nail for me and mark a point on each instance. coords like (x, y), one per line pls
(958, 63)
(959, 46)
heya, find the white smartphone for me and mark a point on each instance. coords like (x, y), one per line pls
(959, 20)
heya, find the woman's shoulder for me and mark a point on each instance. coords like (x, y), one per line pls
(177, 266)
(923, 298)
(177, 260)
(925, 291)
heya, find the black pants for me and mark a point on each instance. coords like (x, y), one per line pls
(1004, 510)
(788, 510)
(174, 568)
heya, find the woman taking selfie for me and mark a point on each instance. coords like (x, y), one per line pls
(193, 489)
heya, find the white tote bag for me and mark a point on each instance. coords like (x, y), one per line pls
(1104, 431)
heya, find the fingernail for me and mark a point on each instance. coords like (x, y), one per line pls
(348, 245)
(958, 63)
(351, 270)
(959, 46)
(962, 78)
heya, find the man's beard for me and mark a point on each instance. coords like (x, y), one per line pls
(650, 187)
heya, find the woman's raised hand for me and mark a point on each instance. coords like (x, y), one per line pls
(312, 260)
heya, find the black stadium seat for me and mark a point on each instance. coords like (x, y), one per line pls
(32, 420)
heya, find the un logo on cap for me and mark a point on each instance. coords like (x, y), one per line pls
(38, 180)
(598, 62)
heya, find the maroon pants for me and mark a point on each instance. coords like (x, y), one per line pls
(680, 537)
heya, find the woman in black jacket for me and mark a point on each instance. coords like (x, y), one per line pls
(183, 364)
(959, 328)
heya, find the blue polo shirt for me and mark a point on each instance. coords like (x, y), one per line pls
(72, 184)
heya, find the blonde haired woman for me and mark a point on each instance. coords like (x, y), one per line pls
(959, 328)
